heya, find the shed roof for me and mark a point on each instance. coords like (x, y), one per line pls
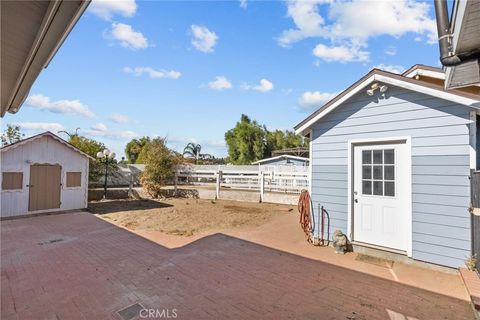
(283, 156)
(376, 75)
(41, 135)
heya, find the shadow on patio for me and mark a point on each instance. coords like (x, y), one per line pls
(107, 268)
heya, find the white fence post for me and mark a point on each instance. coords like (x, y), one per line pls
(217, 190)
(262, 186)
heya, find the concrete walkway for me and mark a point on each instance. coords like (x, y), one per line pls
(76, 266)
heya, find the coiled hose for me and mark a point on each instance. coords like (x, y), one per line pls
(305, 209)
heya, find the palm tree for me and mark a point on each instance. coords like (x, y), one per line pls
(193, 151)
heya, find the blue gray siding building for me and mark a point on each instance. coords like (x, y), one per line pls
(439, 133)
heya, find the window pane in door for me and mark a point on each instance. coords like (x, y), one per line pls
(366, 187)
(377, 172)
(377, 156)
(378, 188)
(389, 188)
(366, 156)
(367, 172)
(389, 172)
(389, 156)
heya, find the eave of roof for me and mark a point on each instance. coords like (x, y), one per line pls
(40, 135)
(281, 157)
(56, 23)
(377, 75)
(414, 70)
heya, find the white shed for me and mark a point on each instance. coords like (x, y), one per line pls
(43, 173)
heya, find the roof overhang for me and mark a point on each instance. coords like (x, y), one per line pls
(465, 27)
(392, 79)
(31, 34)
(425, 71)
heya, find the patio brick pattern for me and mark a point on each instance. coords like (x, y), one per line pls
(76, 266)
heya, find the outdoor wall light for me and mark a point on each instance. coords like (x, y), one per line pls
(375, 86)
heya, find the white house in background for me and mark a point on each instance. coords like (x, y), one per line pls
(43, 173)
(283, 160)
(391, 160)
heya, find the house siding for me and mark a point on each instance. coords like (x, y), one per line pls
(440, 165)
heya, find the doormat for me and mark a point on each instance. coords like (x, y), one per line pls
(131, 312)
(385, 263)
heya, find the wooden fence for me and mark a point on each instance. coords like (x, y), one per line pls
(286, 179)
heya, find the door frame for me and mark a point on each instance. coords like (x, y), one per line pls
(407, 140)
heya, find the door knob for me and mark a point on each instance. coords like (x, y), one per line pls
(356, 200)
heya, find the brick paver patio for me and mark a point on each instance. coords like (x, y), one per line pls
(76, 266)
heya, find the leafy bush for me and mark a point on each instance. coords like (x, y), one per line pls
(159, 166)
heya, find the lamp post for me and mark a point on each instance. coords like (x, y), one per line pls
(107, 157)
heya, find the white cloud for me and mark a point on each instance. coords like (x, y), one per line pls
(220, 83)
(203, 39)
(264, 86)
(128, 37)
(41, 126)
(243, 4)
(350, 24)
(99, 127)
(358, 20)
(72, 107)
(105, 9)
(391, 68)
(391, 51)
(307, 19)
(314, 99)
(119, 118)
(340, 53)
(152, 73)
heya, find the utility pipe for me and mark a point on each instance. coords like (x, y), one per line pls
(447, 57)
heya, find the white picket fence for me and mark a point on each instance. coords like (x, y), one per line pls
(286, 179)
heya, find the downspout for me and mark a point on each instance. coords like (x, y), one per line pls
(447, 57)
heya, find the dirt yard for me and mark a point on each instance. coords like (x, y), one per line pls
(187, 217)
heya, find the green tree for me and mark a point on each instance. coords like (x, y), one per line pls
(90, 147)
(11, 135)
(160, 164)
(134, 148)
(193, 151)
(246, 142)
(278, 139)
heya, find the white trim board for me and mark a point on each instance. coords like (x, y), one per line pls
(408, 144)
(394, 82)
(426, 73)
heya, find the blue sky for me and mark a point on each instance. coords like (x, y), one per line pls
(188, 70)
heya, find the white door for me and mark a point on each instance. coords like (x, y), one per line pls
(380, 199)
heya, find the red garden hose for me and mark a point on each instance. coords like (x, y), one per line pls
(304, 207)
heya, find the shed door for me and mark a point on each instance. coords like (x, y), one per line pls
(45, 187)
(380, 215)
